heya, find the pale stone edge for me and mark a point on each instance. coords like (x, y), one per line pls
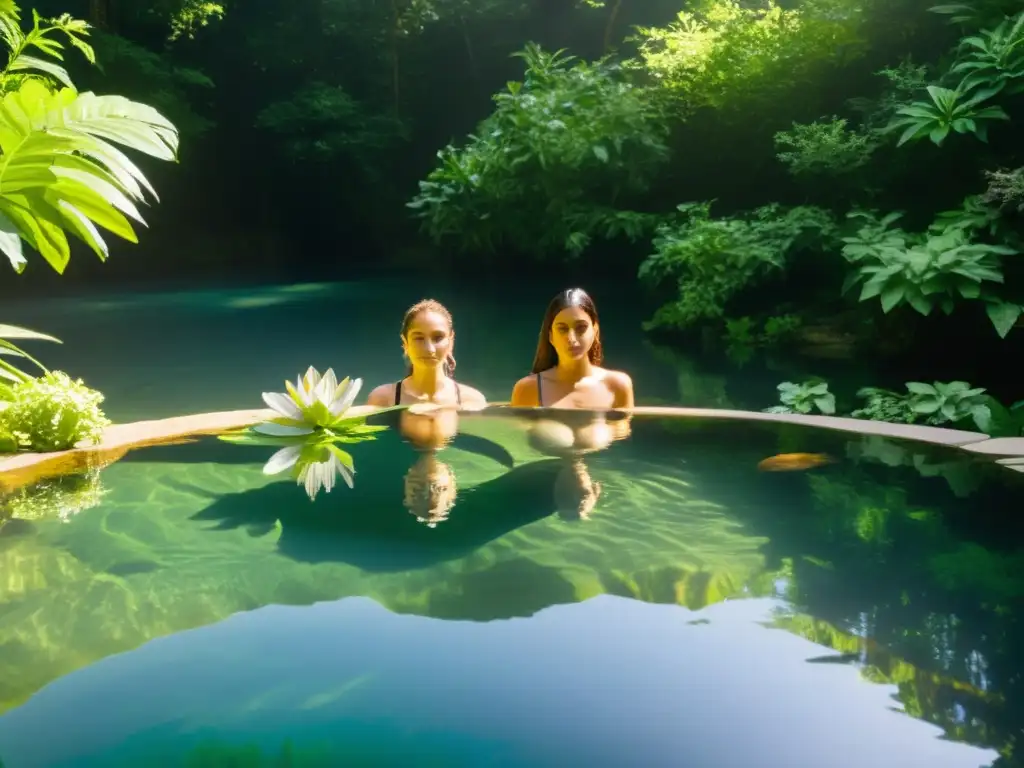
(23, 468)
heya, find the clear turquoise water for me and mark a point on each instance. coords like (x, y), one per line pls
(168, 354)
(184, 609)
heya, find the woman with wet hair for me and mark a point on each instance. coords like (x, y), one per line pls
(567, 370)
(428, 345)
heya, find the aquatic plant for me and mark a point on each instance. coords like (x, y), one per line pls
(315, 402)
(51, 413)
(312, 419)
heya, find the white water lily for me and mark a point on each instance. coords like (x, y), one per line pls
(315, 465)
(314, 402)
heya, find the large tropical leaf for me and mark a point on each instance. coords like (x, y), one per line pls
(60, 171)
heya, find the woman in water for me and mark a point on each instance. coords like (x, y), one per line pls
(428, 344)
(567, 370)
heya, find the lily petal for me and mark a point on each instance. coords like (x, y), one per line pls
(325, 388)
(342, 388)
(311, 379)
(280, 430)
(338, 407)
(328, 384)
(298, 395)
(282, 460)
(345, 472)
(283, 405)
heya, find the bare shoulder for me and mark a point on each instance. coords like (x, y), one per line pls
(382, 396)
(472, 395)
(621, 385)
(524, 393)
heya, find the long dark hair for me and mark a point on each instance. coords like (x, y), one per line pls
(430, 305)
(546, 356)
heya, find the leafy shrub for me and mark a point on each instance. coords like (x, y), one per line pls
(53, 413)
(548, 169)
(712, 260)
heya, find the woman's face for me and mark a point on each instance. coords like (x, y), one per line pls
(572, 334)
(429, 340)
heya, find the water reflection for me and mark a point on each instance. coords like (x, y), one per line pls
(873, 554)
(431, 486)
(651, 686)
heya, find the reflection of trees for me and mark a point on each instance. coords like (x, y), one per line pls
(884, 544)
(882, 559)
(961, 709)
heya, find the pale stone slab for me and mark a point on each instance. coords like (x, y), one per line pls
(938, 435)
(1002, 446)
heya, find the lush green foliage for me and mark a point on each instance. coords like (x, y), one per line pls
(729, 55)
(544, 172)
(937, 268)
(710, 261)
(954, 404)
(805, 397)
(60, 171)
(986, 65)
(52, 413)
(322, 123)
(827, 147)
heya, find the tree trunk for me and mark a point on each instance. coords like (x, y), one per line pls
(396, 29)
(101, 14)
(609, 27)
(473, 72)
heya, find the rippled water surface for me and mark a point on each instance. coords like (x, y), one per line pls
(662, 602)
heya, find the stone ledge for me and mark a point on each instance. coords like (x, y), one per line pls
(22, 469)
(937, 435)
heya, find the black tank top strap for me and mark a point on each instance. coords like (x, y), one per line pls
(398, 392)
(540, 393)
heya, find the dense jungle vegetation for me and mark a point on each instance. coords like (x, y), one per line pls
(839, 176)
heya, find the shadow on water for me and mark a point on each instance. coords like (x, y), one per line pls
(370, 528)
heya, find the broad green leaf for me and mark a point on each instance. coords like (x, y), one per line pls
(926, 407)
(982, 416)
(60, 171)
(45, 236)
(892, 296)
(25, 62)
(920, 388)
(1003, 315)
(939, 134)
(16, 332)
(920, 303)
(10, 244)
(80, 225)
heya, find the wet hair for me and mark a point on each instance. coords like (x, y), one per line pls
(546, 356)
(430, 305)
